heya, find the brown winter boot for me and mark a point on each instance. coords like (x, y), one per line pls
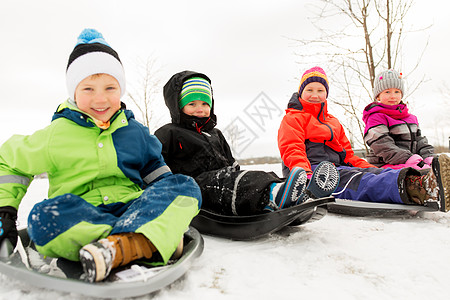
(99, 258)
(416, 189)
(432, 187)
(129, 247)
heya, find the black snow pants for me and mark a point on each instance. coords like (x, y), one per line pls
(239, 193)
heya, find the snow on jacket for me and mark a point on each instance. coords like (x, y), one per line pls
(308, 135)
(393, 134)
(101, 166)
(191, 145)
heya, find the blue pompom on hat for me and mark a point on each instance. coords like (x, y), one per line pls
(90, 36)
(93, 55)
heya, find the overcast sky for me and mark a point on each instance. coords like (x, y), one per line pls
(243, 46)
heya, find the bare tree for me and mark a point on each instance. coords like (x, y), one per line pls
(366, 37)
(143, 94)
(232, 135)
(440, 119)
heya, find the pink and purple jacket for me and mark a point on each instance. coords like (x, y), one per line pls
(393, 134)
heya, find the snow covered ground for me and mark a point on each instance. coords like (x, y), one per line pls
(339, 257)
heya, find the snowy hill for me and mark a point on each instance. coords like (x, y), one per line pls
(339, 257)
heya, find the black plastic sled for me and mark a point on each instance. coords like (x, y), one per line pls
(361, 208)
(256, 226)
(28, 266)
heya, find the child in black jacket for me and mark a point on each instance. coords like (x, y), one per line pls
(193, 146)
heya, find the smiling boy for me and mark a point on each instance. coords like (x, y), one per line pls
(98, 96)
(112, 199)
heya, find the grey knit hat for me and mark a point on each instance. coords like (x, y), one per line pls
(389, 79)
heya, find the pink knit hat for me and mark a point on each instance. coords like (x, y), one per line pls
(315, 74)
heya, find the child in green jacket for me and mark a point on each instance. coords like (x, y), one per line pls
(112, 199)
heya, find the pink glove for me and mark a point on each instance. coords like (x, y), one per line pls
(416, 162)
(428, 160)
(414, 159)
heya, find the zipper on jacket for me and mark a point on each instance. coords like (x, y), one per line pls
(318, 119)
(216, 154)
(413, 137)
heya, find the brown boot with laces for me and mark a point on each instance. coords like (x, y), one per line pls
(432, 187)
(99, 258)
(129, 247)
(416, 188)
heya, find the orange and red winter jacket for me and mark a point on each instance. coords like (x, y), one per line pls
(308, 134)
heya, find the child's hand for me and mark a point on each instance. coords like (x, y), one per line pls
(428, 160)
(415, 161)
(8, 229)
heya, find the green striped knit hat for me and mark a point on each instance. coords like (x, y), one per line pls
(195, 88)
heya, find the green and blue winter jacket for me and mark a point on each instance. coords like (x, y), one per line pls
(101, 166)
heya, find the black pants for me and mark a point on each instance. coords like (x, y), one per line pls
(229, 192)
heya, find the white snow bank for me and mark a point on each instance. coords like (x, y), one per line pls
(339, 257)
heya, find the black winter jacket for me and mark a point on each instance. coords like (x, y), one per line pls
(191, 145)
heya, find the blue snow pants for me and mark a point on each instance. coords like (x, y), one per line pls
(371, 184)
(61, 226)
